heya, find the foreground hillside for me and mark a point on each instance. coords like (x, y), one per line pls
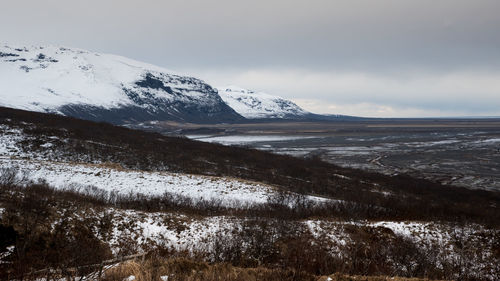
(53, 233)
(76, 193)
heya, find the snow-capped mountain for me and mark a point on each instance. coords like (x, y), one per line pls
(104, 87)
(257, 105)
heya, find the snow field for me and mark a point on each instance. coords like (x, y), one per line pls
(230, 192)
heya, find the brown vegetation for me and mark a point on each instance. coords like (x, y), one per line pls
(45, 235)
(188, 270)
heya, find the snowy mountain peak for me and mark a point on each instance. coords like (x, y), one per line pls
(258, 105)
(103, 87)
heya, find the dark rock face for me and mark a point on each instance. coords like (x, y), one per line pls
(162, 97)
(2, 55)
(134, 114)
(153, 82)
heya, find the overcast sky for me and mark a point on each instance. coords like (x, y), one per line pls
(384, 58)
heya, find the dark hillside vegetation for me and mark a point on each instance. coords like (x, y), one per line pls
(401, 197)
(63, 234)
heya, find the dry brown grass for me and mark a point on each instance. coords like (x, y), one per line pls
(188, 270)
(340, 277)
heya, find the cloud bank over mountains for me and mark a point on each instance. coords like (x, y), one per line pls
(373, 58)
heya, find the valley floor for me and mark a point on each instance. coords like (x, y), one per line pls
(458, 152)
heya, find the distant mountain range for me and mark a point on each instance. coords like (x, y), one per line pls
(103, 87)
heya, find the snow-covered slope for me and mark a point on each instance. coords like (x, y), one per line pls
(103, 87)
(113, 179)
(256, 105)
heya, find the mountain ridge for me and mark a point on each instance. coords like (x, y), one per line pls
(259, 105)
(122, 91)
(102, 87)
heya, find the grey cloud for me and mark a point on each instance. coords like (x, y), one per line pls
(384, 34)
(393, 39)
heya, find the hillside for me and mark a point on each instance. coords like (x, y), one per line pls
(115, 192)
(61, 138)
(104, 87)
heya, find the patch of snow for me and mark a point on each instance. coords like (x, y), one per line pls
(198, 137)
(47, 145)
(10, 250)
(488, 141)
(9, 137)
(244, 139)
(231, 192)
(431, 143)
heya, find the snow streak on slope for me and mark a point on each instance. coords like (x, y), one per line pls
(230, 192)
(256, 105)
(84, 84)
(75, 176)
